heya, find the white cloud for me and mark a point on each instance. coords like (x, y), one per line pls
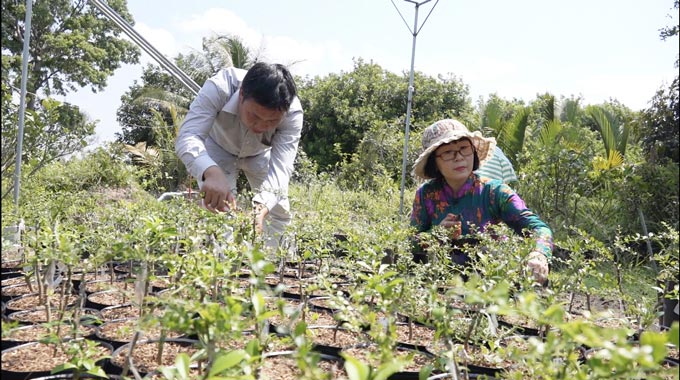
(161, 39)
(219, 21)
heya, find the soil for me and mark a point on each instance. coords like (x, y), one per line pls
(16, 281)
(33, 333)
(159, 283)
(110, 298)
(292, 285)
(145, 353)
(323, 319)
(103, 285)
(286, 368)
(40, 315)
(277, 343)
(39, 357)
(124, 330)
(120, 312)
(20, 289)
(32, 301)
(335, 337)
(416, 334)
(291, 310)
(91, 276)
(12, 258)
(598, 305)
(477, 356)
(416, 360)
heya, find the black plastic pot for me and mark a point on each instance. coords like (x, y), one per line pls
(12, 305)
(11, 273)
(326, 360)
(9, 342)
(69, 376)
(522, 330)
(113, 341)
(318, 304)
(14, 291)
(116, 369)
(93, 303)
(10, 266)
(88, 316)
(6, 374)
(671, 310)
(406, 374)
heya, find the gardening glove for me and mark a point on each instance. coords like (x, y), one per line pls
(216, 192)
(538, 264)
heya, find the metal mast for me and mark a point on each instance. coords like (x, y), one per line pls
(407, 125)
(168, 65)
(22, 101)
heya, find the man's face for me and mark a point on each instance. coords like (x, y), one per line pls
(257, 118)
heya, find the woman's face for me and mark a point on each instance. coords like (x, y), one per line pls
(455, 160)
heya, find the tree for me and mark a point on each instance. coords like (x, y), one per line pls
(53, 132)
(145, 102)
(661, 121)
(661, 125)
(72, 45)
(219, 51)
(341, 108)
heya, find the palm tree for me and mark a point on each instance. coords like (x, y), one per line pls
(219, 51)
(614, 137)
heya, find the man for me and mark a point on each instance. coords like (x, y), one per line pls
(498, 167)
(251, 122)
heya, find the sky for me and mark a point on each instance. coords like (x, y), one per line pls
(597, 50)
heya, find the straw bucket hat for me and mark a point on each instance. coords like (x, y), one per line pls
(448, 130)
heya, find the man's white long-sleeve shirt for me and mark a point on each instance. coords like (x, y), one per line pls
(214, 113)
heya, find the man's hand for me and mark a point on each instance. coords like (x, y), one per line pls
(260, 212)
(216, 191)
(538, 264)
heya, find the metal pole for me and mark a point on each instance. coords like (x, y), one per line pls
(407, 125)
(22, 101)
(137, 38)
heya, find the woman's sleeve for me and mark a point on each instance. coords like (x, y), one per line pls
(514, 212)
(420, 219)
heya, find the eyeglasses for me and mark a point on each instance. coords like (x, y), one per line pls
(451, 154)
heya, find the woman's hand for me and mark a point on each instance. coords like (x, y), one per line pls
(453, 222)
(538, 264)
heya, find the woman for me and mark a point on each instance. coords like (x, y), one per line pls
(455, 197)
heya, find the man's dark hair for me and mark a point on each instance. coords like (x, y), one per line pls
(270, 85)
(431, 164)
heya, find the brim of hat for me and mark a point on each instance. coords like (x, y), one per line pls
(483, 145)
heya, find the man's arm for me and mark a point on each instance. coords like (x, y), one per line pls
(190, 143)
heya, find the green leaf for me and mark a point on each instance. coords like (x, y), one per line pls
(386, 370)
(258, 303)
(356, 370)
(182, 365)
(658, 343)
(226, 360)
(63, 367)
(98, 371)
